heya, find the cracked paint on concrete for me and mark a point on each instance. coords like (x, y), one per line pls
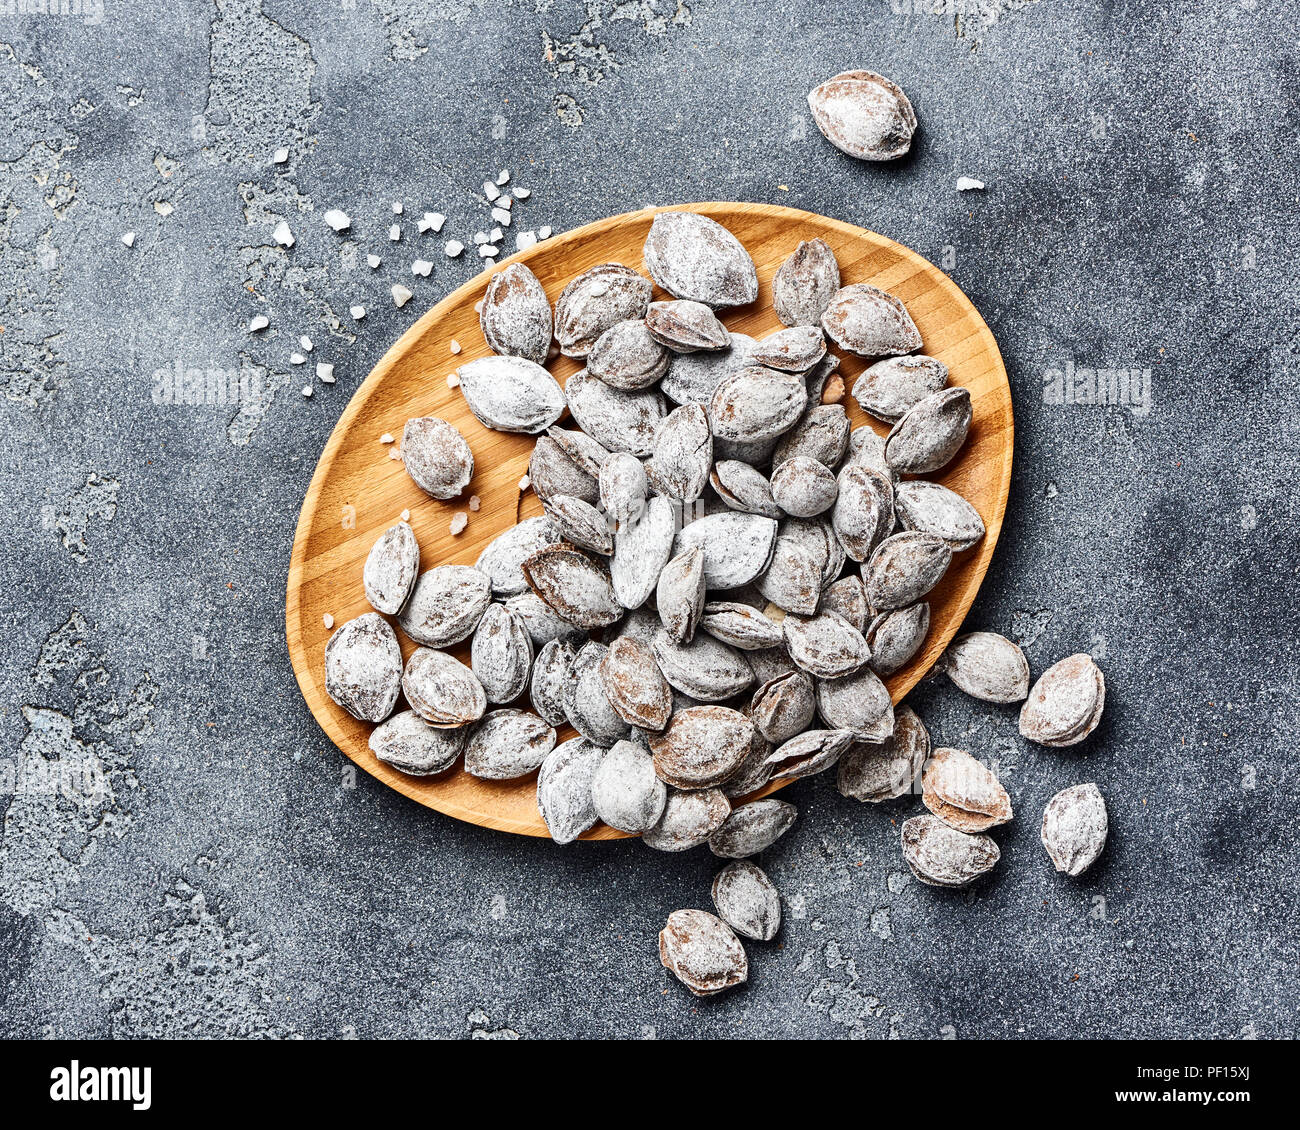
(259, 96)
(74, 774)
(840, 994)
(96, 499)
(188, 973)
(34, 186)
(583, 56)
(405, 23)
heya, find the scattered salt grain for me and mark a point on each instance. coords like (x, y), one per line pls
(387, 437)
(327, 620)
(282, 235)
(305, 342)
(480, 237)
(394, 453)
(421, 267)
(401, 296)
(357, 312)
(525, 483)
(128, 238)
(163, 208)
(258, 322)
(490, 190)
(459, 521)
(503, 177)
(453, 380)
(455, 346)
(525, 239)
(373, 261)
(432, 221)
(325, 371)
(279, 157)
(522, 193)
(405, 515)
(968, 184)
(397, 207)
(297, 359)
(337, 220)
(307, 390)
(487, 251)
(496, 235)
(544, 232)
(504, 202)
(395, 233)
(474, 503)
(453, 248)
(478, 306)
(501, 215)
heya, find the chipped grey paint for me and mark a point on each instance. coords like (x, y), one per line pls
(1139, 214)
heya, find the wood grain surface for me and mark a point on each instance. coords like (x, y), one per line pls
(357, 491)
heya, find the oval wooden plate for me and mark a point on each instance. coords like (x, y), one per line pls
(358, 491)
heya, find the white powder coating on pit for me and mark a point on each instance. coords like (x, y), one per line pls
(363, 667)
(747, 900)
(692, 256)
(1074, 829)
(564, 789)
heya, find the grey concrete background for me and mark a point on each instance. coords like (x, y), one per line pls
(1141, 212)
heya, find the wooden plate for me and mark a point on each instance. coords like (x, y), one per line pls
(358, 491)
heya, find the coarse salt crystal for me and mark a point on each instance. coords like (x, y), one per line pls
(525, 239)
(459, 521)
(421, 267)
(307, 390)
(501, 215)
(405, 515)
(522, 193)
(282, 235)
(474, 502)
(480, 237)
(496, 235)
(453, 380)
(968, 184)
(297, 359)
(327, 620)
(478, 306)
(128, 238)
(525, 483)
(337, 220)
(435, 220)
(258, 322)
(455, 346)
(487, 251)
(374, 261)
(401, 296)
(397, 207)
(279, 157)
(305, 342)
(325, 371)
(490, 190)
(357, 312)
(395, 233)
(503, 177)
(504, 202)
(394, 453)
(453, 248)
(544, 232)
(387, 437)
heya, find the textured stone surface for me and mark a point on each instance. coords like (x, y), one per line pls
(236, 876)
